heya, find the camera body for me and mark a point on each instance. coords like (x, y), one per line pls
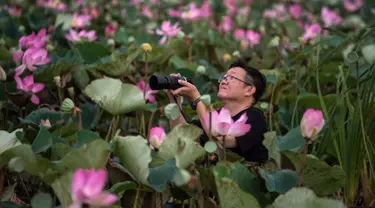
(158, 82)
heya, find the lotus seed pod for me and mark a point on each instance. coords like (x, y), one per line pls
(227, 57)
(146, 47)
(201, 69)
(71, 92)
(67, 105)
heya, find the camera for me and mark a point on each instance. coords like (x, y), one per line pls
(158, 82)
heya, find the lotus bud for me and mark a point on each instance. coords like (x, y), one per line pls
(71, 92)
(236, 54)
(21, 28)
(45, 123)
(201, 69)
(3, 75)
(227, 57)
(262, 29)
(67, 105)
(111, 42)
(206, 99)
(312, 123)
(108, 17)
(50, 47)
(274, 42)
(57, 81)
(157, 136)
(146, 47)
(301, 40)
(181, 34)
(131, 39)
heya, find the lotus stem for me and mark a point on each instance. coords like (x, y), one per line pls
(24, 186)
(6, 107)
(146, 70)
(303, 164)
(143, 125)
(59, 94)
(114, 128)
(2, 175)
(190, 53)
(135, 204)
(200, 195)
(110, 129)
(224, 148)
(150, 123)
(79, 120)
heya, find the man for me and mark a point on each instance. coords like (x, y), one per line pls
(240, 88)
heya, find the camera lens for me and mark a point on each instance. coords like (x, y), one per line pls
(158, 82)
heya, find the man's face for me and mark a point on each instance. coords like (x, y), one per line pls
(232, 88)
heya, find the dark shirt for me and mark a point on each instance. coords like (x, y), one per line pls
(249, 145)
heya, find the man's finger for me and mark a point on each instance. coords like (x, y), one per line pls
(185, 83)
(179, 91)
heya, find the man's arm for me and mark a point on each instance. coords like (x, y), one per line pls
(189, 91)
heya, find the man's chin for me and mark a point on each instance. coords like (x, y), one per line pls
(221, 96)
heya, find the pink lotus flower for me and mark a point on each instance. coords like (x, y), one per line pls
(146, 11)
(15, 12)
(74, 36)
(223, 124)
(206, 10)
(295, 10)
(53, 4)
(193, 14)
(110, 30)
(270, 13)
(231, 6)
(248, 2)
(352, 5)
(311, 32)
(157, 136)
(135, 2)
(312, 123)
(239, 34)
(80, 21)
(149, 92)
(330, 17)
(34, 40)
(244, 11)
(278, 12)
(226, 24)
(87, 188)
(168, 31)
(94, 12)
(28, 85)
(174, 13)
(32, 57)
(253, 37)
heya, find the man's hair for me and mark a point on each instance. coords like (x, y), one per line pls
(253, 76)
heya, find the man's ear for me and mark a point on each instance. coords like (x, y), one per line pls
(250, 91)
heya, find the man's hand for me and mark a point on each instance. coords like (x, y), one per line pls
(170, 93)
(230, 141)
(187, 90)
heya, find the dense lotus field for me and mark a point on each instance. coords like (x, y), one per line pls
(80, 125)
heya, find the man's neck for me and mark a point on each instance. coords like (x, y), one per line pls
(235, 107)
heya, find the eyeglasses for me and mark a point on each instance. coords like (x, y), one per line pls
(231, 77)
